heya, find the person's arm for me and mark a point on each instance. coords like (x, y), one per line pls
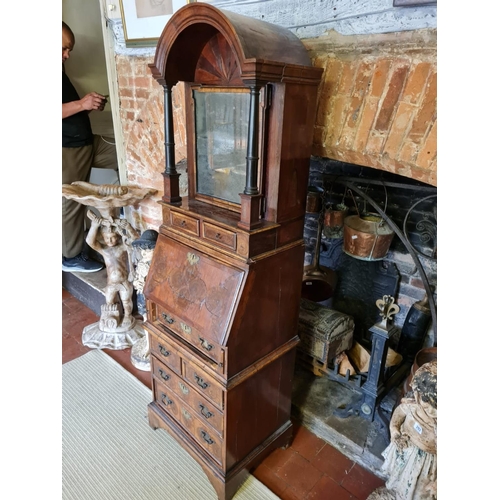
(90, 102)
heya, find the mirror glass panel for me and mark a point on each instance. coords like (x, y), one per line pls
(221, 123)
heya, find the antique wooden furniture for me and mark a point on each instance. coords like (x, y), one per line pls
(324, 333)
(224, 286)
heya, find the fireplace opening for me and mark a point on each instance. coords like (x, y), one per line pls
(396, 264)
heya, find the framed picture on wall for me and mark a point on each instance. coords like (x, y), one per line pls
(144, 20)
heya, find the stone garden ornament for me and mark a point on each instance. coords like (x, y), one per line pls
(112, 237)
(411, 458)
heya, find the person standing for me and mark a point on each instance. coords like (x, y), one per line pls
(81, 151)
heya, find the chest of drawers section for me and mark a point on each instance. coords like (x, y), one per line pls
(192, 398)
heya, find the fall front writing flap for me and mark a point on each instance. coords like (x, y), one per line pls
(194, 287)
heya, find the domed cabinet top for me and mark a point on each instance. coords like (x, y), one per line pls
(203, 44)
(250, 105)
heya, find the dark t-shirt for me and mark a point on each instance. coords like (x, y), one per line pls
(76, 129)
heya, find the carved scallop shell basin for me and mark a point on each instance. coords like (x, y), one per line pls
(106, 198)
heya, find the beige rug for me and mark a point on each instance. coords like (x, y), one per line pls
(110, 452)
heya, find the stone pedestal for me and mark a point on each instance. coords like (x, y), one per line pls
(93, 336)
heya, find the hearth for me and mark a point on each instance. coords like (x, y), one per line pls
(406, 277)
(408, 271)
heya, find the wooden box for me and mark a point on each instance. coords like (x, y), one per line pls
(324, 333)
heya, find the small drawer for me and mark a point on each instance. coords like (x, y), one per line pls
(185, 223)
(201, 433)
(166, 376)
(177, 325)
(207, 412)
(209, 348)
(189, 333)
(165, 352)
(219, 236)
(166, 401)
(203, 383)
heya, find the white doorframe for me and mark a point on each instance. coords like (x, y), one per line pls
(111, 9)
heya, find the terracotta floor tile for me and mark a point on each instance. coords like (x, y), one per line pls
(74, 304)
(278, 458)
(66, 334)
(307, 444)
(77, 321)
(66, 312)
(266, 476)
(330, 461)
(328, 489)
(299, 473)
(291, 494)
(72, 350)
(361, 482)
(66, 294)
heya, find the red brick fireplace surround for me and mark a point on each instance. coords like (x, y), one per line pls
(376, 108)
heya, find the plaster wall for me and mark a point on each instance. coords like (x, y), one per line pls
(87, 65)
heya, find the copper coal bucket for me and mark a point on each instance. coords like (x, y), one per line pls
(367, 236)
(334, 217)
(314, 200)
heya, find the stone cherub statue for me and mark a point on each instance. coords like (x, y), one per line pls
(411, 458)
(117, 235)
(112, 238)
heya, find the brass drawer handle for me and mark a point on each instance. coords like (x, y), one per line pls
(163, 375)
(206, 437)
(182, 223)
(186, 414)
(183, 388)
(206, 345)
(200, 382)
(165, 400)
(163, 351)
(218, 236)
(207, 414)
(168, 318)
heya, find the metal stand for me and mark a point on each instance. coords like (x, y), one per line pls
(376, 386)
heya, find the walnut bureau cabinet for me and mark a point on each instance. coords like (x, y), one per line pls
(223, 291)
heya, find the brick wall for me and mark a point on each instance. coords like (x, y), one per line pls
(141, 113)
(377, 101)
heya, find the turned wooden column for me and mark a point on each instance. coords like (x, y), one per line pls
(170, 175)
(250, 198)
